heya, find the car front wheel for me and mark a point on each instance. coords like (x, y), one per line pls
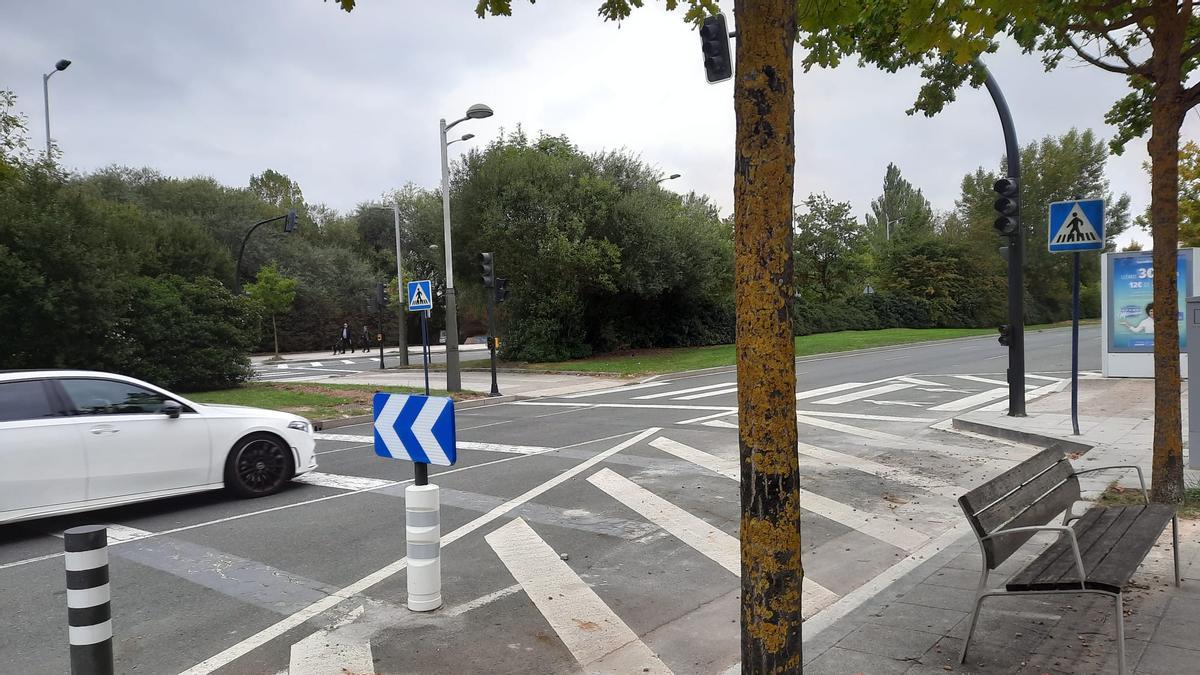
(258, 465)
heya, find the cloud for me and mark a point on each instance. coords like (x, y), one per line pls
(347, 104)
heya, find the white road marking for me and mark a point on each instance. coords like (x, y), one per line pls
(874, 391)
(878, 526)
(908, 404)
(598, 639)
(705, 418)
(316, 364)
(116, 533)
(913, 380)
(665, 394)
(813, 393)
(459, 610)
(706, 394)
(847, 429)
(865, 416)
(289, 622)
(945, 390)
(720, 424)
(1031, 376)
(282, 366)
(972, 400)
(348, 361)
(332, 652)
(710, 541)
(640, 406)
(976, 378)
(1030, 395)
(615, 390)
(462, 445)
(340, 482)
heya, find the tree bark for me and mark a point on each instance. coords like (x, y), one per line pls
(766, 363)
(1166, 116)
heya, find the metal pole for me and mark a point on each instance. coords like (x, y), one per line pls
(1016, 258)
(400, 301)
(381, 338)
(89, 612)
(46, 98)
(237, 272)
(1075, 343)
(492, 338)
(453, 381)
(425, 346)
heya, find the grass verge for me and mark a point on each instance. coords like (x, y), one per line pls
(1116, 495)
(655, 361)
(314, 400)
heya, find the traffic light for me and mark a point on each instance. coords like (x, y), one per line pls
(489, 274)
(1005, 338)
(381, 297)
(1008, 205)
(289, 221)
(501, 290)
(714, 42)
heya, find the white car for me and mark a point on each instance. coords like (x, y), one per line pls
(76, 440)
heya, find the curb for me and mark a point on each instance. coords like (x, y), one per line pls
(1027, 437)
(322, 425)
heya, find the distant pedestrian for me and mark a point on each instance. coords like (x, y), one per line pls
(365, 337)
(344, 339)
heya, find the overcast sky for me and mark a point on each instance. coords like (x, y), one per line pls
(347, 104)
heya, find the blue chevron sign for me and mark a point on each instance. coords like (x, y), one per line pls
(416, 428)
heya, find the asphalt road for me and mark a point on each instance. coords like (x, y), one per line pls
(592, 531)
(353, 363)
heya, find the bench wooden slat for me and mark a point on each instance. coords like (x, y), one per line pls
(1020, 500)
(1055, 567)
(1058, 500)
(983, 495)
(1090, 530)
(1114, 571)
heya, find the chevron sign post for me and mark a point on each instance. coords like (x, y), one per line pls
(416, 428)
(420, 429)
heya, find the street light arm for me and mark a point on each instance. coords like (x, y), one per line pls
(237, 272)
(451, 125)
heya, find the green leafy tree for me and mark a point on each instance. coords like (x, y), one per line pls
(1153, 44)
(828, 246)
(901, 212)
(274, 293)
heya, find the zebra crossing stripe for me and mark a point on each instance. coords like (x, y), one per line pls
(865, 393)
(706, 539)
(598, 639)
(665, 394)
(848, 429)
(706, 394)
(972, 400)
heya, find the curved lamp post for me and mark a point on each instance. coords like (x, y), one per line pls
(453, 378)
(62, 64)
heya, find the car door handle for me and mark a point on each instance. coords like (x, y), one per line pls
(104, 430)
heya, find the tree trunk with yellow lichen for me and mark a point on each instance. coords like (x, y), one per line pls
(766, 366)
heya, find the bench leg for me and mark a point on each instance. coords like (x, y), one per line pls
(1175, 545)
(980, 594)
(1120, 635)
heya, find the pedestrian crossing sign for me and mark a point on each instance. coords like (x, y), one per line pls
(1076, 225)
(420, 298)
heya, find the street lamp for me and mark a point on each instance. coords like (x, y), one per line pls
(671, 177)
(61, 65)
(400, 290)
(453, 379)
(289, 225)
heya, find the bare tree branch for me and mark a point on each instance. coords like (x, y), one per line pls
(1120, 53)
(1191, 96)
(1103, 65)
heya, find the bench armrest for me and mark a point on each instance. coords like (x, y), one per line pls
(1141, 479)
(1062, 530)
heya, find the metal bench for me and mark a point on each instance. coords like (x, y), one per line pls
(1096, 552)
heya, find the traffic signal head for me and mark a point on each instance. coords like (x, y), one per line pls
(714, 42)
(1007, 205)
(289, 221)
(1005, 337)
(501, 290)
(381, 296)
(489, 274)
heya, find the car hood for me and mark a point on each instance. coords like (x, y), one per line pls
(227, 410)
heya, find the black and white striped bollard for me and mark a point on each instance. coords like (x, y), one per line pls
(89, 614)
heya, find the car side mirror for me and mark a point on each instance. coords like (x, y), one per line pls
(171, 409)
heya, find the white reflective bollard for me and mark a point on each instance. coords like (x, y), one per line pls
(423, 535)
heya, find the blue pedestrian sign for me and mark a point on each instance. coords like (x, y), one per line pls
(416, 428)
(420, 298)
(1076, 225)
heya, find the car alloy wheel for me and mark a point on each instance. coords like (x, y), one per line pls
(261, 465)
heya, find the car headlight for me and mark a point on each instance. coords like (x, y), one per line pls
(300, 425)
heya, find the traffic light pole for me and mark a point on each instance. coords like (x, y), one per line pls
(492, 338)
(1016, 258)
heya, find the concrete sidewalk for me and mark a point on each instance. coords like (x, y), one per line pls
(915, 623)
(414, 353)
